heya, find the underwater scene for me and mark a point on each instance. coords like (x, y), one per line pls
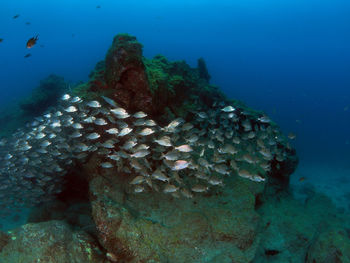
(175, 131)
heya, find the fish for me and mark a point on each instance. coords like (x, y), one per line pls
(112, 131)
(146, 131)
(108, 144)
(89, 119)
(180, 164)
(32, 41)
(264, 119)
(140, 154)
(202, 115)
(192, 139)
(16, 16)
(45, 143)
(93, 104)
(77, 126)
(75, 99)
(150, 123)
(140, 115)
(291, 136)
(199, 188)
(215, 181)
(28, 55)
(228, 109)
(93, 136)
(129, 144)
(169, 188)
(182, 158)
(40, 135)
(125, 131)
(138, 180)
(174, 124)
(100, 122)
(158, 175)
(187, 126)
(184, 148)
(71, 109)
(164, 141)
(106, 165)
(139, 189)
(118, 111)
(171, 155)
(186, 193)
(1, 40)
(65, 97)
(76, 134)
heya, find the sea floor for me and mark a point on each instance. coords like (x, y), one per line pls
(329, 178)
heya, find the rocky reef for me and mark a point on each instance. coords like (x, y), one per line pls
(99, 218)
(44, 96)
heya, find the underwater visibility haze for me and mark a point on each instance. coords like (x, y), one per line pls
(175, 131)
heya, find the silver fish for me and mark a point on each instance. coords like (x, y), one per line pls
(93, 136)
(106, 165)
(65, 97)
(124, 132)
(228, 109)
(112, 131)
(109, 101)
(146, 131)
(93, 104)
(71, 109)
(100, 122)
(180, 164)
(164, 141)
(140, 115)
(184, 148)
(140, 154)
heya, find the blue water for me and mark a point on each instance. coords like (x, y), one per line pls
(290, 58)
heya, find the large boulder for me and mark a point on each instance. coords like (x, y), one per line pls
(330, 246)
(51, 242)
(217, 227)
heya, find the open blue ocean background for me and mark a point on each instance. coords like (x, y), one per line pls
(289, 58)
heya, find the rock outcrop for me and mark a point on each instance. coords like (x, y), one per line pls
(51, 241)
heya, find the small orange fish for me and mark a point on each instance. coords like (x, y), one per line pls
(32, 41)
(302, 179)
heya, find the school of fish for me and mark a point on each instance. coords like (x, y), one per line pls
(181, 159)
